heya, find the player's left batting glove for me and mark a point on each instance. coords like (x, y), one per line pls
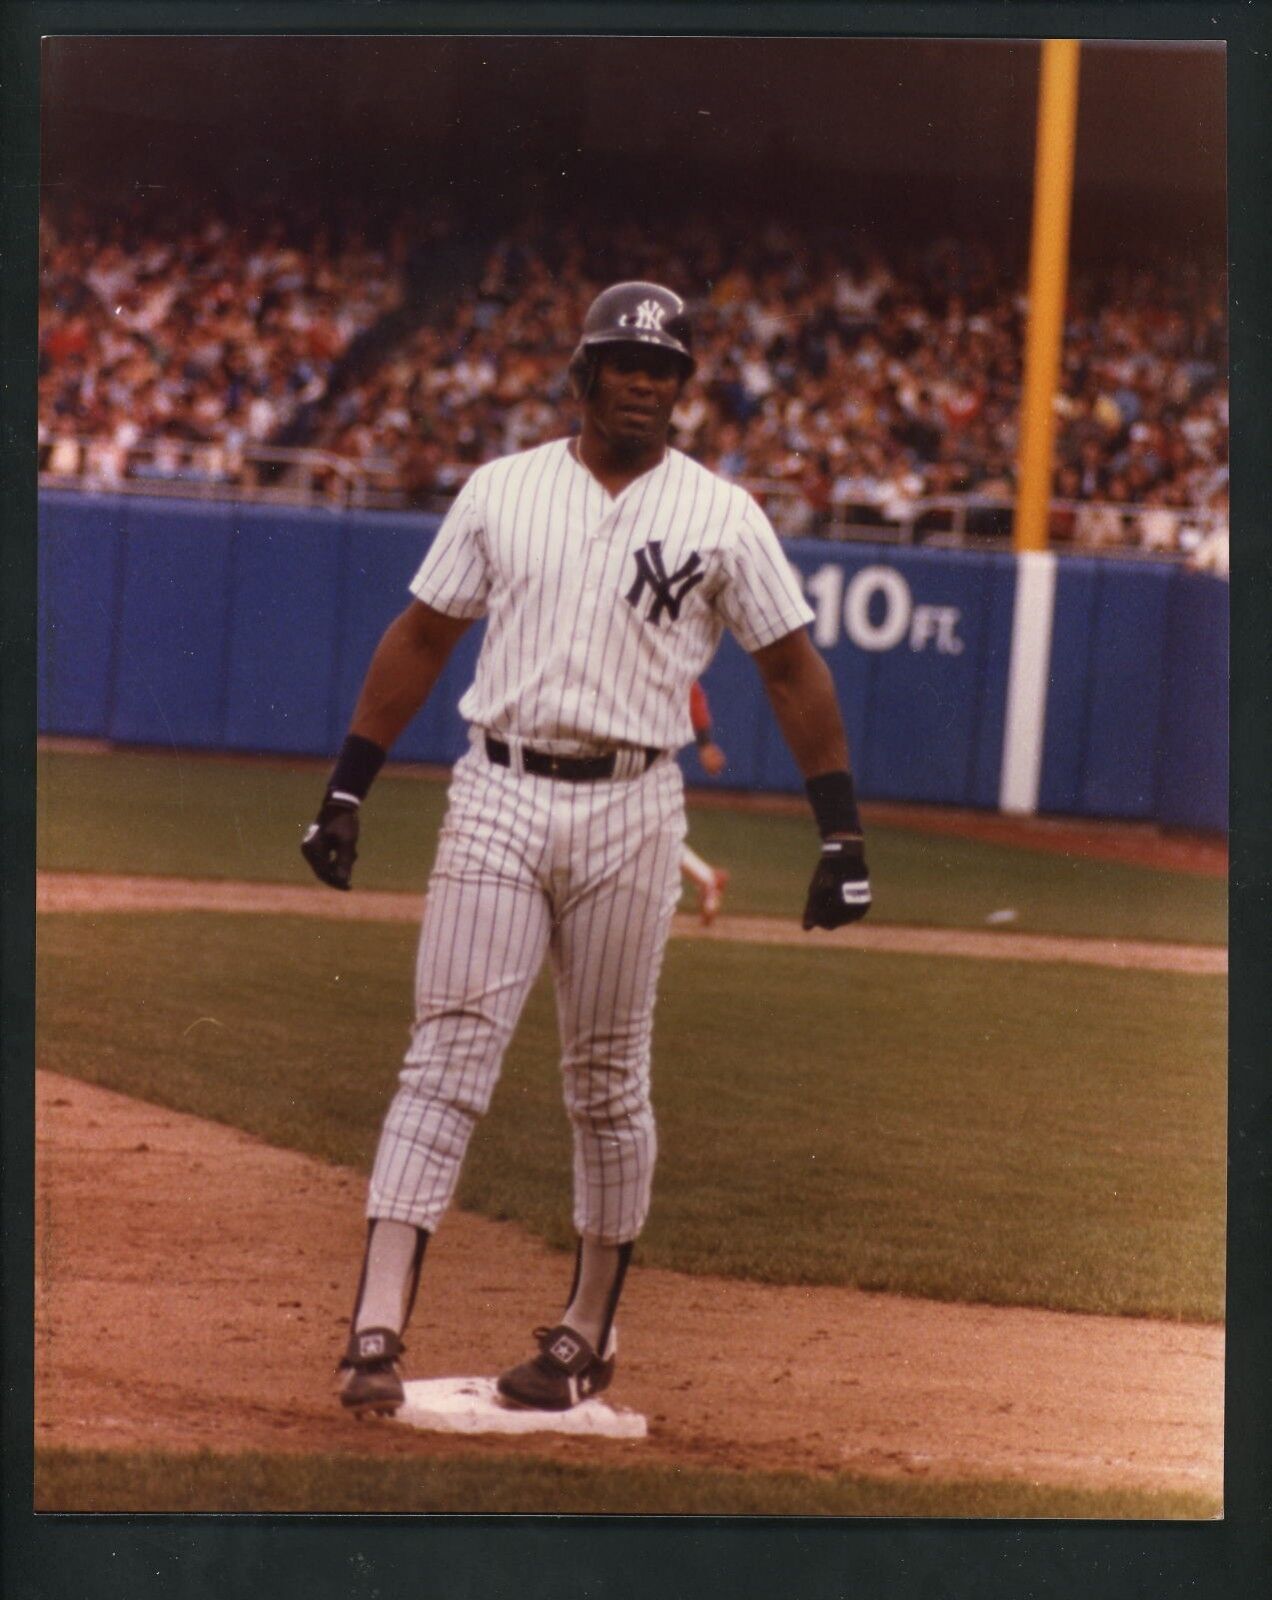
(840, 890)
(330, 845)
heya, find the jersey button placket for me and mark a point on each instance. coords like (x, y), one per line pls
(595, 550)
(594, 541)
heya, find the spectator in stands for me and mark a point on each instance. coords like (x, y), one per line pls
(155, 323)
(1211, 553)
(1067, 490)
(1098, 526)
(1158, 524)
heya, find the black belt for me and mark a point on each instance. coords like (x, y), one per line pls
(570, 769)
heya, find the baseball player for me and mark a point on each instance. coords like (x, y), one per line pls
(607, 566)
(709, 881)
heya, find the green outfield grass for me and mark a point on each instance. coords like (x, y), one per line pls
(75, 1480)
(968, 1130)
(193, 817)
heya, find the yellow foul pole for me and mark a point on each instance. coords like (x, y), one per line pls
(1048, 270)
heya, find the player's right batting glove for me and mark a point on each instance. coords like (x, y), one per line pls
(330, 845)
(840, 890)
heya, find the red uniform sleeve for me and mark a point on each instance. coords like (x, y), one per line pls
(699, 710)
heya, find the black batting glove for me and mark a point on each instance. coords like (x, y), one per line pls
(330, 845)
(840, 890)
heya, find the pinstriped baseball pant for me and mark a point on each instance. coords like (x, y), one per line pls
(586, 875)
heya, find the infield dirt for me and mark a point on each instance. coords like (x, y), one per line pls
(193, 1287)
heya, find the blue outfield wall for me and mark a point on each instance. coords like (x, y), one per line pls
(249, 628)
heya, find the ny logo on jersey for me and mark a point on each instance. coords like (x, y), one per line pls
(649, 316)
(668, 589)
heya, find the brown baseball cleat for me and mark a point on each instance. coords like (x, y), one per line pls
(371, 1385)
(566, 1371)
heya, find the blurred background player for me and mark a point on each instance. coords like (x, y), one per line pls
(709, 881)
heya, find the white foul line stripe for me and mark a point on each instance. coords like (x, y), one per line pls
(1027, 677)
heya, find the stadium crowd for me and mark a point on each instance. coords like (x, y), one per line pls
(844, 382)
(165, 328)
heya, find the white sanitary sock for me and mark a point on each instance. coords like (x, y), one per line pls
(598, 1280)
(389, 1276)
(693, 866)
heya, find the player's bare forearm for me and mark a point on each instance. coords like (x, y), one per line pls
(407, 663)
(802, 694)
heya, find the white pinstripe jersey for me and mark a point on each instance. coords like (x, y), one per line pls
(602, 610)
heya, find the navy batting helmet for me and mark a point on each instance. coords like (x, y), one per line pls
(633, 313)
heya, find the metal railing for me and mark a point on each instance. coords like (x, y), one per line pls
(271, 475)
(958, 520)
(274, 475)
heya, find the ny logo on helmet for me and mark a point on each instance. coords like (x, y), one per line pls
(669, 589)
(649, 316)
